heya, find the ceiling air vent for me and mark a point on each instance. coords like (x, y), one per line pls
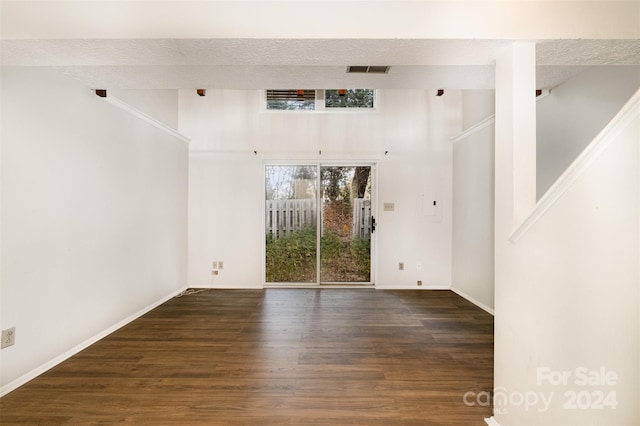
(368, 69)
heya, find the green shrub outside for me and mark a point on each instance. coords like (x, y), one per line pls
(361, 253)
(292, 257)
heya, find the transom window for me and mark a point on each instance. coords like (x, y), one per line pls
(291, 99)
(320, 99)
(348, 98)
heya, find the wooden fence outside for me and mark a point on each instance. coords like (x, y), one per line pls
(361, 218)
(285, 216)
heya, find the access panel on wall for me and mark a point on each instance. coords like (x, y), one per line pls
(302, 199)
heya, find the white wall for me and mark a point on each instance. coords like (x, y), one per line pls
(162, 105)
(573, 296)
(226, 178)
(567, 294)
(415, 232)
(567, 120)
(94, 211)
(477, 105)
(225, 208)
(473, 195)
(573, 114)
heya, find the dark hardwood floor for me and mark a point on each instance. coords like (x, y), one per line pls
(276, 357)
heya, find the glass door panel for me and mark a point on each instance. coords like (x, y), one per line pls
(345, 242)
(291, 224)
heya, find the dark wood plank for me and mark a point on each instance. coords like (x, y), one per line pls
(276, 357)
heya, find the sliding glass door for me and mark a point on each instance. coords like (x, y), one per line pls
(318, 223)
(345, 242)
(291, 224)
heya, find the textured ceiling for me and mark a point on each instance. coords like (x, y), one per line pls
(277, 63)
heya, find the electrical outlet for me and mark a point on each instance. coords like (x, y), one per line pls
(214, 264)
(419, 283)
(8, 337)
(220, 264)
(401, 266)
(214, 272)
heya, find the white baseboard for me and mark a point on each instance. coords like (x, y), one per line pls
(11, 386)
(472, 300)
(491, 421)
